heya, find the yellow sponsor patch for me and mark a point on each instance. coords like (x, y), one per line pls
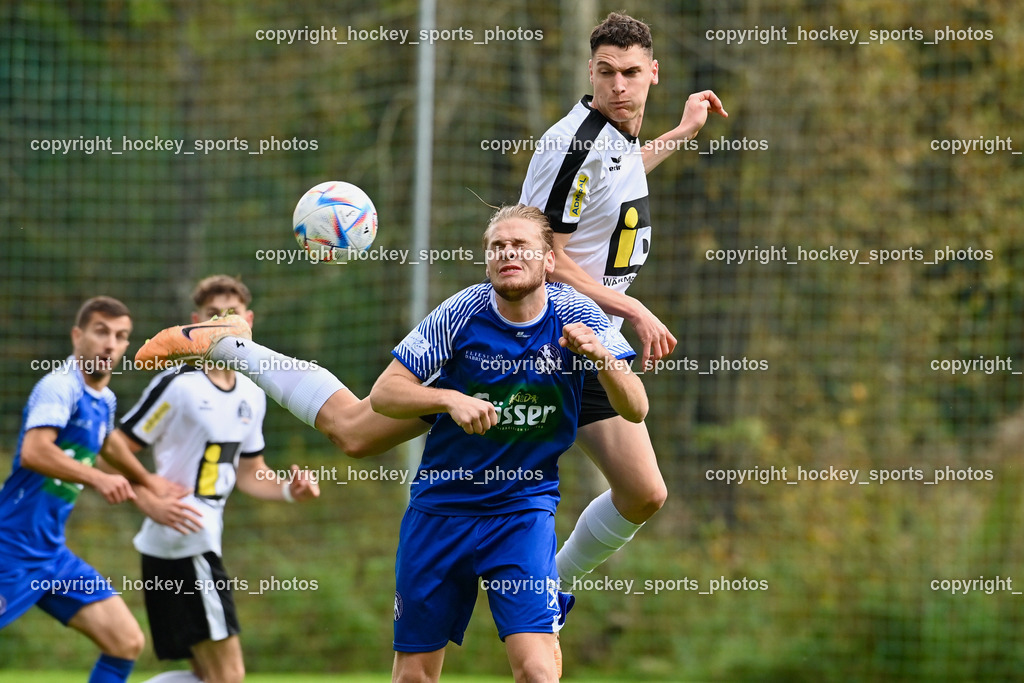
(155, 418)
(209, 471)
(577, 198)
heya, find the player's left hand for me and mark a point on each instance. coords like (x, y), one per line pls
(303, 486)
(695, 112)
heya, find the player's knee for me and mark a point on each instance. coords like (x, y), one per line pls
(536, 670)
(415, 668)
(654, 500)
(411, 675)
(128, 643)
(226, 672)
(658, 497)
(638, 506)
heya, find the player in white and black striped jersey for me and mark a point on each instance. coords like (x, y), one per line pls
(588, 175)
(205, 428)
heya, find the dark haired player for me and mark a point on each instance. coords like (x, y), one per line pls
(589, 178)
(66, 425)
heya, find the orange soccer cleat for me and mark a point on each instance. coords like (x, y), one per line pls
(189, 343)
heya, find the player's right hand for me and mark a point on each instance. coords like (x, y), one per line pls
(655, 339)
(115, 488)
(474, 415)
(180, 516)
(165, 488)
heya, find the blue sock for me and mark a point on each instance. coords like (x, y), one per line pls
(111, 669)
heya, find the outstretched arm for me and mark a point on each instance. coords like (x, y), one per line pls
(695, 115)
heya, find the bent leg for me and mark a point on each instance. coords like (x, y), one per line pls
(318, 398)
(623, 452)
(110, 624)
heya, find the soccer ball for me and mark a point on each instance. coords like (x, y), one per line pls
(333, 220)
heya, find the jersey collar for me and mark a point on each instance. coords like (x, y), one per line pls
(528, 323)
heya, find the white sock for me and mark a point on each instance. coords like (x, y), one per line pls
(174, 677)
(600, 531)
(301, 387)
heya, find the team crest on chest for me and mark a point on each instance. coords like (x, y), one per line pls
(549, 360)
(244, 412)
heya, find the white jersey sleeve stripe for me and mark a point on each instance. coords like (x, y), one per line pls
(426, 349)
(53, 400)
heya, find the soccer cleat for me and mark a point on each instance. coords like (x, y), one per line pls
(189, 343)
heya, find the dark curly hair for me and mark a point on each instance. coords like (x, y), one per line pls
(622, 30)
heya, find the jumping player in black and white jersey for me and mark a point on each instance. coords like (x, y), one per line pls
(588, 175)
(205, 427)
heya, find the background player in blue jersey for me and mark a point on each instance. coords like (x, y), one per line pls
(501, 362)
(66, 423)
(589, 177)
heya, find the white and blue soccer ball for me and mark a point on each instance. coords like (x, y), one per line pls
(334, 219)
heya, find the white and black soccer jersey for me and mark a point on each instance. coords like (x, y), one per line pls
(198, 432)
(588, 178)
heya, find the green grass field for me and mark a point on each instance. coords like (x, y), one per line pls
(71, 676)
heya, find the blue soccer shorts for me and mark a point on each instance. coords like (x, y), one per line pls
(60, 586)
(444, 560)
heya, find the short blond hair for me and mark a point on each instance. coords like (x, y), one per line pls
(526, 213)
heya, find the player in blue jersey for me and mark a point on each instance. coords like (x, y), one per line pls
(66, 424)
(506, 424)
(503, 365)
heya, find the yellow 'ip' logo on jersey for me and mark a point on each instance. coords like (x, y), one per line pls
(631, 241)
(627, 240)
